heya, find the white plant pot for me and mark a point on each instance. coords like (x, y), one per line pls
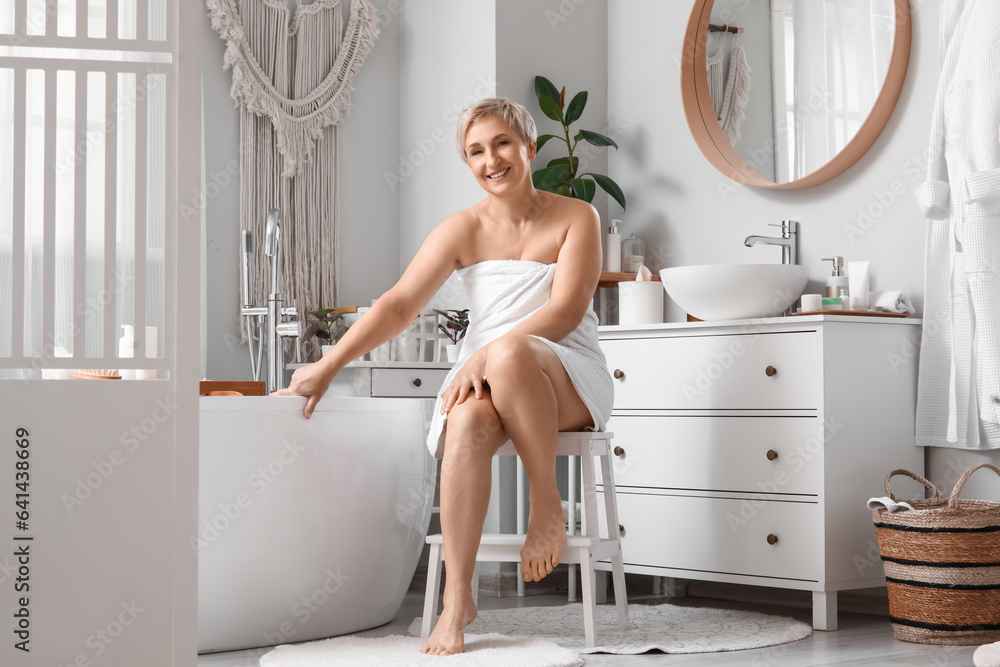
(451, 351)
(325, 348)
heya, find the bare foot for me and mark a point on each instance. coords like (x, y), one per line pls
(544, 543)
(448, 635)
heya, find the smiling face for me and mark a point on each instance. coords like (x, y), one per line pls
(500, 160)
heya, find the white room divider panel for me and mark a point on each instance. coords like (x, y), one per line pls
(99, 140)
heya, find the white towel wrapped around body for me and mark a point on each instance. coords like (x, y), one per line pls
(504, 293)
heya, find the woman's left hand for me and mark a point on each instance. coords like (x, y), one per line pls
(468, 379)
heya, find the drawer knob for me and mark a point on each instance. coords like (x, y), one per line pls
(771, 455)
(619, 451)
(771, 371)
(417, 382)
(619, 374)
(621, 530)
(772, 539)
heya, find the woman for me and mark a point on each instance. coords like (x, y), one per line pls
(530, 365)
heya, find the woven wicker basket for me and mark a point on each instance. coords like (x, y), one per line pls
(942, 566)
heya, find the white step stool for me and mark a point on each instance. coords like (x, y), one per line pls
(584, 549)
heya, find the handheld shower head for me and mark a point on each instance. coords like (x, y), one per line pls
(272, 233)
(272, 247)
(246, 268)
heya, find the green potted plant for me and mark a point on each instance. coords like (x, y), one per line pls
(455, 324)
(327, 326)
(560, 175)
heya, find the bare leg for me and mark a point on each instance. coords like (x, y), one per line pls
(472, 437)
(535, 399)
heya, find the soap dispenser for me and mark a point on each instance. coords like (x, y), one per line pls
(836, 283)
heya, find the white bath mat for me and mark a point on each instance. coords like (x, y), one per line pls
(480, 651)
(667, 627)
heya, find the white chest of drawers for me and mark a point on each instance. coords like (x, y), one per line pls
(748, 449)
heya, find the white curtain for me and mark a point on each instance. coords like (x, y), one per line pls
(830, 58)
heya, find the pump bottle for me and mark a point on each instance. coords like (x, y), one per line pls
(836, 282)
(613, 248)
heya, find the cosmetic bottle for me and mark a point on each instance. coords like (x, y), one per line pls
(126, 345)
(836, 281)
(613, 248)
(860, 275)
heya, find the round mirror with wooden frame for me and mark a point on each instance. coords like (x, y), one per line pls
(842, 128)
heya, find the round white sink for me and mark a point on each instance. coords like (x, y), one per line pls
(734, 291)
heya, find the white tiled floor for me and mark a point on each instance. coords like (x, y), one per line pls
(864, 639)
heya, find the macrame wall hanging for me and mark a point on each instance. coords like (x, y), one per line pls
(292, 80)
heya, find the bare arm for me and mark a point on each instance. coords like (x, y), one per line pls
(402, 303)
(391, 314)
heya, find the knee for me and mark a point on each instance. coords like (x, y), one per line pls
(472, 426)
(509, 355)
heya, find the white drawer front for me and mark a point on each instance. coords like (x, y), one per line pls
(407, 382)
(722, 535)
(766, 455)
(717, 372)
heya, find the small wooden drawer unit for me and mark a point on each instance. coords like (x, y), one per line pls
(745, 451)
(407, 382)
(390, 379)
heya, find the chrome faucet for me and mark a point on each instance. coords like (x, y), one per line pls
(788, 241)
(269, 320)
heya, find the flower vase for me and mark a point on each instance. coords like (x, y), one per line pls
(451, 351)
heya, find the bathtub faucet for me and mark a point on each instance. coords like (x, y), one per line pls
(269, 321)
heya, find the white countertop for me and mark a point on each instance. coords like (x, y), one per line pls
(793, 320)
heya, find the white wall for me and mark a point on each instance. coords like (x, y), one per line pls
(370, 232)
(697, 216)
(447, 62)
(567, 43)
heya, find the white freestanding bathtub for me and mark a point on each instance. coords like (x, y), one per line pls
(307, 529)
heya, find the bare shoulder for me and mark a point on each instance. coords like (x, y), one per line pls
(574, 213)
(461, 222)
(457, 229)
(582, 212)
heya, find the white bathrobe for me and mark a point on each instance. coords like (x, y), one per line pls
(958, 395)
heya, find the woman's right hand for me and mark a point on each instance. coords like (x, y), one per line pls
(468, 381)
(310, 381)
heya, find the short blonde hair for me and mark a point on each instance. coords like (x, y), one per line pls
(510, 111)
